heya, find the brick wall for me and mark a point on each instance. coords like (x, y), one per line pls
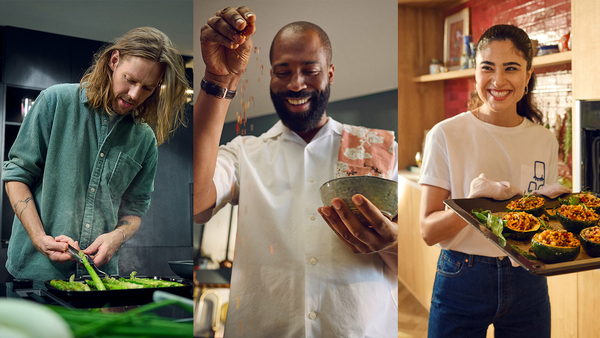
(544, 20)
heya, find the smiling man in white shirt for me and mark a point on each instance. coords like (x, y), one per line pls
(292, 275)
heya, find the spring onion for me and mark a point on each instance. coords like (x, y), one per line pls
(133, 323)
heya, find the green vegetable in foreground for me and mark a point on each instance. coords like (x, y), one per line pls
(91, 271)
(492, 222)
(133, 323)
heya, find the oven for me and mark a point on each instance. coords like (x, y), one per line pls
(586, 146)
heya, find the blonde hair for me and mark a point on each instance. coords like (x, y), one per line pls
(163, 111)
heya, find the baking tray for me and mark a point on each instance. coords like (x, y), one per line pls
(464, 206)
(113, 298)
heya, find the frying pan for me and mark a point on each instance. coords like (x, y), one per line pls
(184, 269)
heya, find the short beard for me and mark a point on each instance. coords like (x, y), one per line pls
(306, 121)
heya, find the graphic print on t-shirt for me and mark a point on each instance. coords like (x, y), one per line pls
(533, 177)
(539, 176)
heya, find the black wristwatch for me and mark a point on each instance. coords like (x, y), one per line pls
(216, 90)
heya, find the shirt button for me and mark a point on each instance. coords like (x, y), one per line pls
(101, 154)
(87, 226)
(92, 189)
(312, 315)
(313, 261)
(308, 148)
(104, 121)
(310, 179)
(312, 217)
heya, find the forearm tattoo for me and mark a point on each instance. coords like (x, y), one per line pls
(24, 203)
(123, 222)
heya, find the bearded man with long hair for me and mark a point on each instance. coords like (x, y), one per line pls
(83, 164)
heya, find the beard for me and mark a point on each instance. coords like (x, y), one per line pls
(305, 121)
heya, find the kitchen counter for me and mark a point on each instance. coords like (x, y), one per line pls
(410, 178)
(416, 269)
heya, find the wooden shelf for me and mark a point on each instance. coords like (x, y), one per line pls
(455, 74)
(553, 59)
(538, 61)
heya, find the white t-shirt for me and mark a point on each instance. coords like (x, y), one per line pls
(459, 149)
(292, 276)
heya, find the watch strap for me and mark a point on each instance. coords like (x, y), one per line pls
(216, 90)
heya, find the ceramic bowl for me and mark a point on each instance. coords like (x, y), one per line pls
(383, 193)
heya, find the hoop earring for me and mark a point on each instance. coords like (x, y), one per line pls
(526, 90)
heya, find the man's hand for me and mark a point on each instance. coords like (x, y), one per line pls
(381, 235)
(24, 207)
(226, 45)
(104, 247)
(54, 248)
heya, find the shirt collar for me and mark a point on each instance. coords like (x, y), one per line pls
(332, 126)
(82, 96)
(84, 100)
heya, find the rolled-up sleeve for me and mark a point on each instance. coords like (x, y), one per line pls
(225, 178)
(27, 156)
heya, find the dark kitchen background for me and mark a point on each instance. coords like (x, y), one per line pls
(45, 43)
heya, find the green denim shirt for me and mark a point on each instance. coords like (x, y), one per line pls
(82, 175)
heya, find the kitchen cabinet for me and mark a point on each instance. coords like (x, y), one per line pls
(586, 49)
(417, 266)
(82, 54)
(586, 80)
(12, 122)
(36, 59)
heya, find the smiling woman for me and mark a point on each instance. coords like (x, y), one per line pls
(500, 137)
(504, 78)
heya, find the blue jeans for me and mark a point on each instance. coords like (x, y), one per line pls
(471, 292)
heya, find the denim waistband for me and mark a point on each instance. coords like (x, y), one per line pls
(471, 259)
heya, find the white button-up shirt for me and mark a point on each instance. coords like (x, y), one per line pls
(292, 276)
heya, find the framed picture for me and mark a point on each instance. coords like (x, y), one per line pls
(455, 27)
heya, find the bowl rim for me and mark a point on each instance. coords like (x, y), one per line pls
(358, 176)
